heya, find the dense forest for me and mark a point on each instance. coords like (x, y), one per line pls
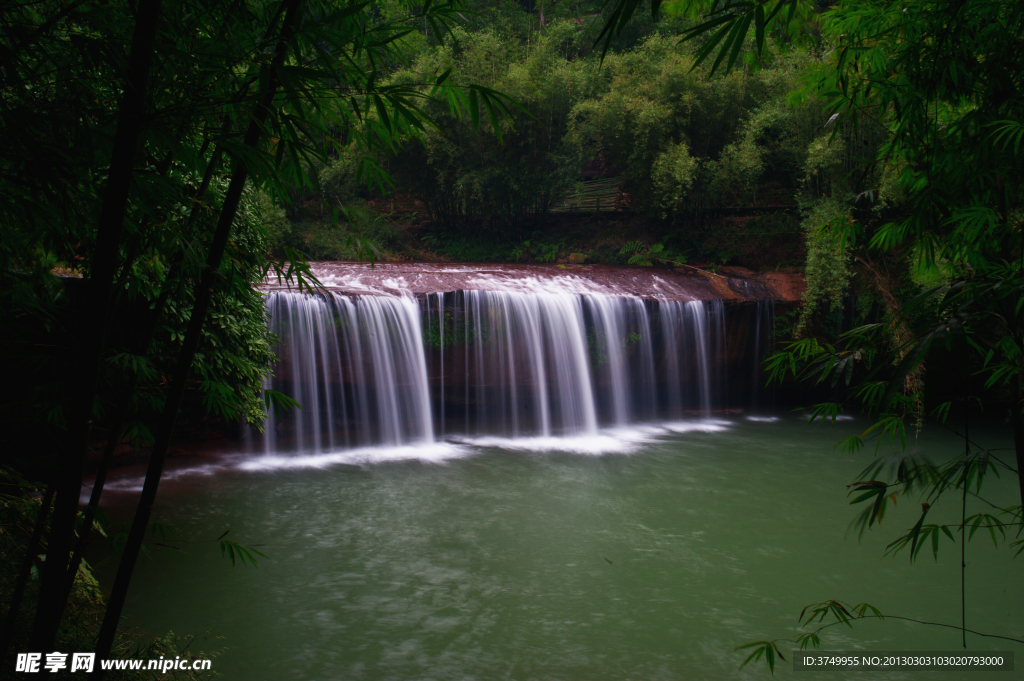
(713, 169)
(163, 159)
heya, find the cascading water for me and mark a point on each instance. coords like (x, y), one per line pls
(520, 364)
(685, 333)
(355, 365)
(764, 344)
(396, 369)
(525, 363)
(717, 341)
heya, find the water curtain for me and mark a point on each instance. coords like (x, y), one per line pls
(407, 369)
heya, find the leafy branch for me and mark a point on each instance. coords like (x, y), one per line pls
(729, 19)
(843, 614)
(165, 536)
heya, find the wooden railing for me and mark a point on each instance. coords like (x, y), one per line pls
(594, 196)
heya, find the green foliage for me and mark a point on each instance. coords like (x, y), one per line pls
(236, 352)
(827, 268)
(245, 554)
(478, 248)
(68, 76)
(19, 508)
(761, 242)
(672, 142)
(510, 178)
(672, 176)
(640, 254)
(547, 252)
(685, 142)
(274, 218)
(936, 193)
(898, 133)
(737, 172)
(145, 135)
(597, 345)
(766, 649)
(456, 332)
(167, 537)
(363, 235)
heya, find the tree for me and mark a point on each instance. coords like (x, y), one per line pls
(512, 177)
(936, 199)
(142, 131)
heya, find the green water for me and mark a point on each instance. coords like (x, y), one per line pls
(511, 564)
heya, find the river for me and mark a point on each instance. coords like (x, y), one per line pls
(650, 552)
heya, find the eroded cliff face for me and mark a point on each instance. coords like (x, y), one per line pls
(683, 284)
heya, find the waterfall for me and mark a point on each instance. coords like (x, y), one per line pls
(394, 370)
(686, 334)
(525, 365)
(763, 344)
(357, 368)
(719, 350)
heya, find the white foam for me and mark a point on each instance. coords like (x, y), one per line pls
(565, 284)
(702, 426)
(572, 444)
(626, 440)
(434, 452)
(134, 484)
(606, 441)
(397, 279)
(764, 419)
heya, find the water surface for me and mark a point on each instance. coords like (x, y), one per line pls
(642, 554)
